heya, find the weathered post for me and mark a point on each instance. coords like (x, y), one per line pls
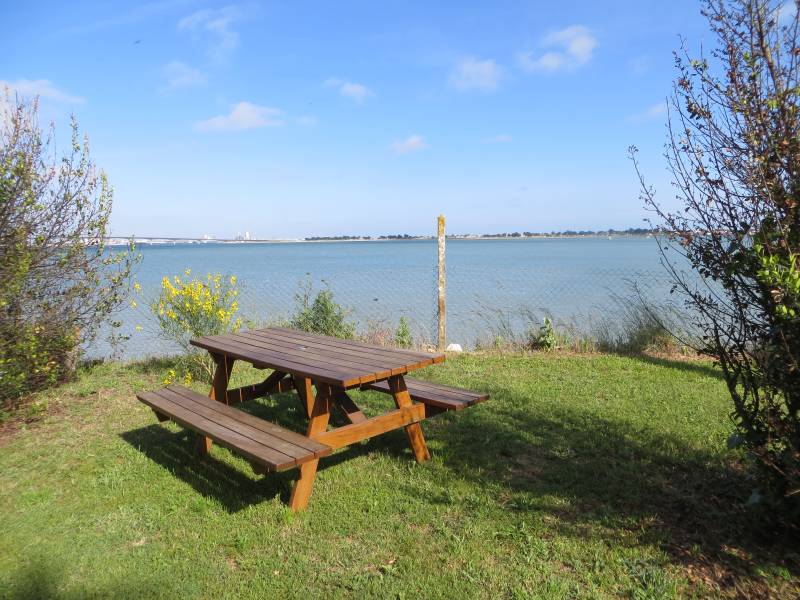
(442, 313)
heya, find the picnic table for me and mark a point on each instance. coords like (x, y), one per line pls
(321, 370)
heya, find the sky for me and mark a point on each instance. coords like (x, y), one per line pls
(295, 119)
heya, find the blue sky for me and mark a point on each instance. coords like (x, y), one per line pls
(291, 119)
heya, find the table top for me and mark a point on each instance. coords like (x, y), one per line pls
(338, 362)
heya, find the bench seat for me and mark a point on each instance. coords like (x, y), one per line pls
(441, 396)
(262, 443)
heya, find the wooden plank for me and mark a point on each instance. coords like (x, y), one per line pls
(439, 388)
(431, 397)
(402, 399)
(222, 375)
(434, 388)
(385, 358)
(219, 387)
(282, 361)
(348, 407)
(323, 359)
(263, 358)
(260, 424)
(276, 383)
(320, 414)
(409, 356)
(304, 388)
(278, 362)
(444, 396)
(221, 435)
(412, 354)
(355, 432)
(257, 435)
(376, 367)
(233, 341)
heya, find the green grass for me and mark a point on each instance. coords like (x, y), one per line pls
(592, 476)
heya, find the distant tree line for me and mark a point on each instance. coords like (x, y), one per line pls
(516, 234)
(398, 236)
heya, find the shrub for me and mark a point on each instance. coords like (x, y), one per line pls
(734, 154)
(188, 308)
(402, 337)
(59, 282)
(323, 315)
(543, 338)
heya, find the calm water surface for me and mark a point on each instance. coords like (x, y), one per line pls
(488, 281)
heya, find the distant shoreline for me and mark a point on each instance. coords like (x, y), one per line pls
(116, 241)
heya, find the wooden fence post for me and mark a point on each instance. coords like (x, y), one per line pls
(442, 313)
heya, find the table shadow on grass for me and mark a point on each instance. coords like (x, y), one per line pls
(235, 486)
(615, 480)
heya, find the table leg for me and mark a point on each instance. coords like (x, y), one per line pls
(397, 386)
(348, 407)
(319, 413)
(219, 391)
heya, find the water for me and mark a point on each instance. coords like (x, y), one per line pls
(575, 280)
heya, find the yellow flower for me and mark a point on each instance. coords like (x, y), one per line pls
(133, 303)
(138, 328)
(137, 286)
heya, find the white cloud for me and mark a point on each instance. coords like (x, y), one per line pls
(243, 115)
(348, 89)
(180, 75)
(42, 88)
(501, 138)
(473, 74)
(650, 114)
(217, 23)
(306, 120)
(413, 143)
(569, 48)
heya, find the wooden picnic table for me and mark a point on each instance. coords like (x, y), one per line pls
(321, 369)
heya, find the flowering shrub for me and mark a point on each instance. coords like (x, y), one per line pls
(190, 307)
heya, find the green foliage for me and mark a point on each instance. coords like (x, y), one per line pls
(544, 338)
(780, 274)
(402, 337)
(59, 281)
(321, 315)
(36, 358)
(188, 308)
(734, 154)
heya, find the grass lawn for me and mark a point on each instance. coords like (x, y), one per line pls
(594, 476)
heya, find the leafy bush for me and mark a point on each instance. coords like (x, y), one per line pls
(59, 282)
(188, 308)
(402, 337)
(734, 154)
(323, 315)
(36, 358)
(544, 338)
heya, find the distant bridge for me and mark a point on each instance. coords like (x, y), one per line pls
(144, 239)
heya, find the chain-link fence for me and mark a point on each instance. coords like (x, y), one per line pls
(486, 300)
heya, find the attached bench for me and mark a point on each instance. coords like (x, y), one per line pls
(267, 446)
(441, 397)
